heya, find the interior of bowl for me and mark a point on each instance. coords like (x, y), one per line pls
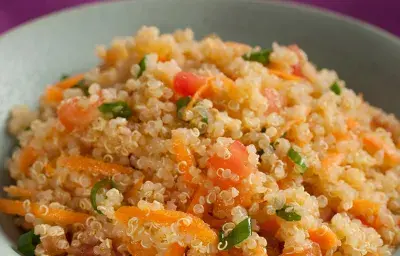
(36, 54)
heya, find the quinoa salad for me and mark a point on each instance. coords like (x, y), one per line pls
(172, 147)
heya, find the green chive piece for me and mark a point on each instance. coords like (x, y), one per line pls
(182, 103)
(290, 215)
(95, 189)
(27, 243)
(261, 56)
(63, 77)
(204, 115)
(237, 235)
(284, 135)
(82, 85)
(142, 66)
(336, 88)
(116, 109)
(297, 159)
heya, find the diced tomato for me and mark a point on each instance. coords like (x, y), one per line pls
(238, 163)
(275, 100)
(297, 68)
(186, 83)
(74, 116)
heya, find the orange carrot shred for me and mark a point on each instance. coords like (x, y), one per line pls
(134, 189)
(183, 154)
(27, 157)
(69, 82)
(49, 215)
(92, 166)
(325, 237)
(175, 250)
(201, 191)
(284, 75)
(15, 191)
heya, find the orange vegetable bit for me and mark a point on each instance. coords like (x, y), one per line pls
(182, 155)
(200, 192)
(136, 249)
(332, 159)
(238, 163)
(352, 123)
(27, 157)
(15, 191)
(73, 115)
(374, 143)
(366, 211)
(197, 227)
(54, 94)
(69, 82)
(270, 225)
(312, 250)
(134, 189)
(275, 100)
(214, 222)
(92, 166)
(285, 76)
(175, 250)
(49, 215)
(324, 237)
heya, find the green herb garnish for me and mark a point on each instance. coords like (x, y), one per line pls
(236, 236)
(82, 85)
(290, 215)
(142, 66)
(27, 243)
(95, 189)
(336, 88)
(261, 56)
(116, 109)
(63, 77)
(182, 103)
(297, 159)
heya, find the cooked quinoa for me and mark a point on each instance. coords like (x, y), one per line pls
(172, 146)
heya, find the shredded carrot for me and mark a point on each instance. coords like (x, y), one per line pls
(352, 123)
(92, 166)
(48, 215)
(175, 250)
(27, 157)
(234, 252)
(366, 211)
(54, 94)
(199, 93)
(325, 237)
(312, 250)
(134, 189)
(270, 225)
(49, 170)
(69, 82)
(196, 228)
(214, 222)
(15, 191)
(374, 143)
(200, 192)
(284, 75)
(332, 159)
(136, 249)
(183, 154)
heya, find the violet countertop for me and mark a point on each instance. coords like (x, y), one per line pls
(382, 13)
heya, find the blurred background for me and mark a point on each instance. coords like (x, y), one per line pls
(382, 13)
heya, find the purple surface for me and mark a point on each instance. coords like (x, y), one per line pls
(383, 13)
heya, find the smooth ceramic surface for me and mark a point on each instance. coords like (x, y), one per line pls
(34, 55)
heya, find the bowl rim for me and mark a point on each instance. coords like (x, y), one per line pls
(316, 10)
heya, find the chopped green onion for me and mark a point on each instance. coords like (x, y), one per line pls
(274, 144)
(297, 159)
(27, 243)
(204, 115)
(82, 85)
(261, 56)
(116, 109)
(290, 215)
(142, 66)
(284, 135)
(63, 77)
(182, 103)
(336, 88)
(236, 236)
(95, 189)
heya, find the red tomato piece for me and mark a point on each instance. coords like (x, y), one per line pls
(238, 163)
(187, 83)
(275, 100)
